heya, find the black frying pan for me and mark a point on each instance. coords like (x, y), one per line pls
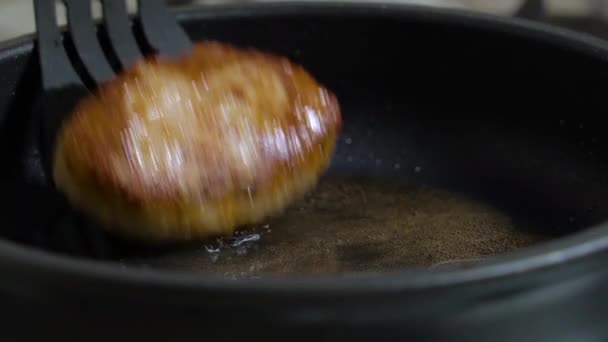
(467, 196)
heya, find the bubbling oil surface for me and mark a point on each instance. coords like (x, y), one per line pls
(356, 226)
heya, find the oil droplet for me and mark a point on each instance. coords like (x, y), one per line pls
(417, 169)
(397, 166)
(246, 238)
(211, 249)
(349, 141)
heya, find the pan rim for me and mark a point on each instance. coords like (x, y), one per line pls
(25, 260)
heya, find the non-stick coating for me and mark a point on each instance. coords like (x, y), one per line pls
(470, 105)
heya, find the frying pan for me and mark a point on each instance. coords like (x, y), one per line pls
(465, 136)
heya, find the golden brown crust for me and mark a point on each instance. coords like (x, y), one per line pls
(196, 146)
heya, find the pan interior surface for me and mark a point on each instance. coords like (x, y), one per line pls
(460, 142)
(357, 225)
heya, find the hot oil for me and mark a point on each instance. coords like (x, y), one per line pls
(357, 226)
